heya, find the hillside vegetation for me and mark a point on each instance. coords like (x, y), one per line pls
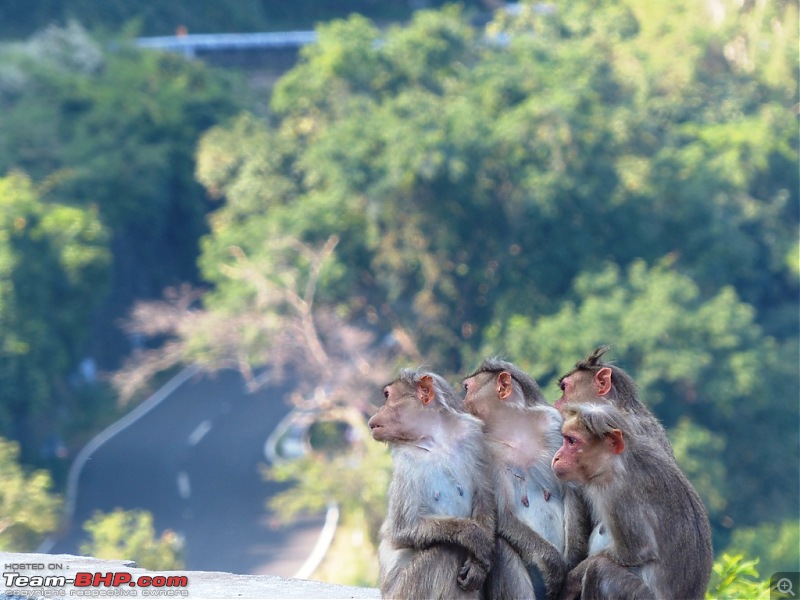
(429, 193)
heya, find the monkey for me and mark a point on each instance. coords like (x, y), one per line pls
(437, 540)
(658, 529)
(593, 380)
(542, 527)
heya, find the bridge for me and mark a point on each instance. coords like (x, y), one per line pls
(205, 43)
(276, 49)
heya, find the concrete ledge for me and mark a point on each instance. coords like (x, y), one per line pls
(19, 571)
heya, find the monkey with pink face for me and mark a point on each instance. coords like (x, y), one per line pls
(658, 538)
(438, 537)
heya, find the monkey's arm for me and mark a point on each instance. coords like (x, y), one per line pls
(473, 572)
(534, 550)
(635, 539)
(577, 527)
(430, 531)
(607, 574)
(603, 578)
(571, 590)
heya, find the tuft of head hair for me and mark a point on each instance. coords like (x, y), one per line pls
(597, 419)
(530, 389)
(593, 362)
(623, 386)
(444, 391)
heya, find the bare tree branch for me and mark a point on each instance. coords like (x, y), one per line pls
(281, 327)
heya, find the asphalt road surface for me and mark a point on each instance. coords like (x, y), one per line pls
(194, 462)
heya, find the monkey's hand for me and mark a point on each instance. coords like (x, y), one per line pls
(472, 575)
(571, 590)
(479, 542)
(533, 549)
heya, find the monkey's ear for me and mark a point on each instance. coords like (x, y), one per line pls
(504, 385)
(616, 440)
(425, 391)
(602, 381)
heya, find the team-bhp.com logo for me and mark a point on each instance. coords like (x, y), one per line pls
(94, 584)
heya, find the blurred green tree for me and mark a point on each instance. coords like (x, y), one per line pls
(700, 364)
(130, 535)
(734, 578)
(200, 16)
(480, 186)
(585, 172)
(116, 130)
(53, 269)
(775, 544)
(28, 509)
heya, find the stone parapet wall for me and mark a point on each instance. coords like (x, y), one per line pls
(46, 575)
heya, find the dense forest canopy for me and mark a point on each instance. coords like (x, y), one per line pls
(575, 173)
(20, 19)
(100, 208)
(599, 173)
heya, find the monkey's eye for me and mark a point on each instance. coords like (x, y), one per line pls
(570, 440)
(386, 394)
(562, 386)
(466, 386)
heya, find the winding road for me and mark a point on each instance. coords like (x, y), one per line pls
(193, 459)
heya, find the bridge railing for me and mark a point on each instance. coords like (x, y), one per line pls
(203, 43)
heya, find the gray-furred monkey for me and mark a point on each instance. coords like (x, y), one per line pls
(598, 382)
(438, 537)
(593, 380)
(542, 526)
(659, 538)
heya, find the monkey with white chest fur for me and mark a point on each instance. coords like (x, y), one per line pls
(595, 381)
(542, 526)
(438, 537)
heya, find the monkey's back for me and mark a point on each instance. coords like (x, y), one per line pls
(671, 510)
(689, 544)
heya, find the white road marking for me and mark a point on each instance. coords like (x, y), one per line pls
(199, 432)
(184, 488)
(101, 438)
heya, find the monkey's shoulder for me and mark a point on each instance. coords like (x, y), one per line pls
(546, 419)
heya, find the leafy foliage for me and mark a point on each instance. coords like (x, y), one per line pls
(734, 578)
(129, 535)
(116, 131)
(777, 545)
(451, 184)
(53, 263)
(583, 173)
(199, 16)
(28, 507)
